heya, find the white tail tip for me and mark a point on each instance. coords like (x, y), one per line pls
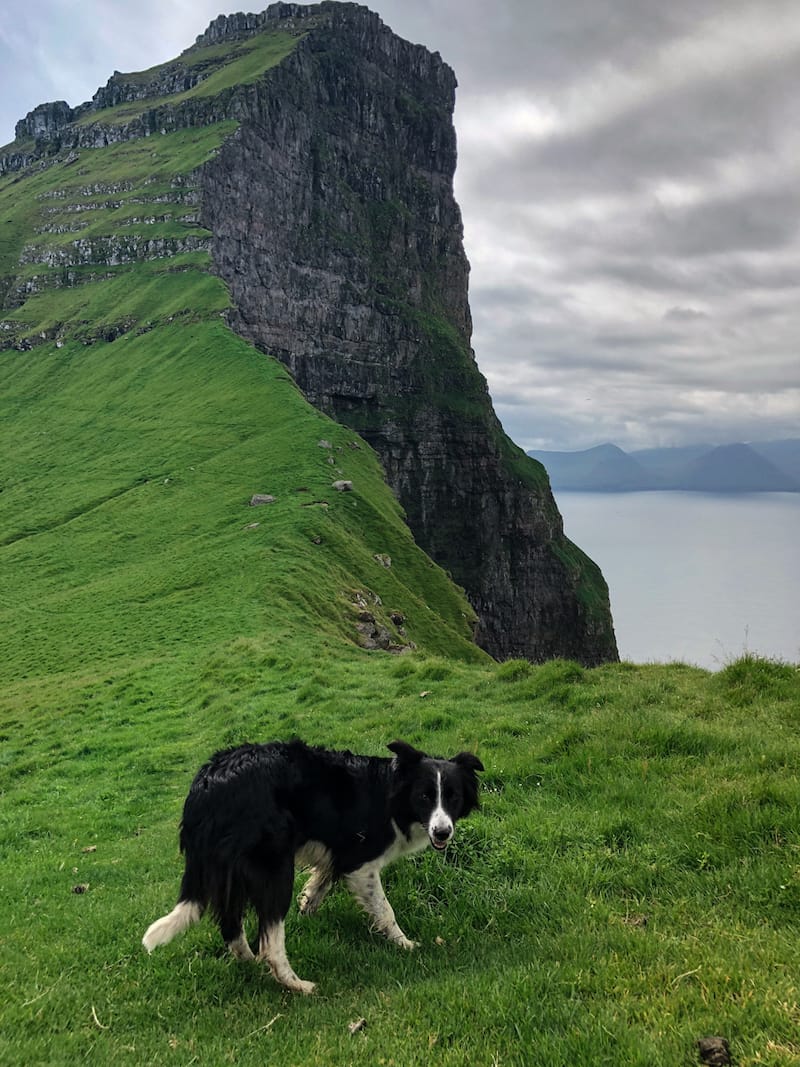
(162, 931)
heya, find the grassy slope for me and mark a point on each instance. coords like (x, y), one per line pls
(613, 798)
(242, 65)
(144, 624)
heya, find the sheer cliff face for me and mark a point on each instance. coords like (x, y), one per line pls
(335, 227)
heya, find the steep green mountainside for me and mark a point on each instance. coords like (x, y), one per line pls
(136, 427)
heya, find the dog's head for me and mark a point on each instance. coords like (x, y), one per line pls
(434, 792)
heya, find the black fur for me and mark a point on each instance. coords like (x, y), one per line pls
(251, 809)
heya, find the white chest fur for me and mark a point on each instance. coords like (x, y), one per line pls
(404, 846)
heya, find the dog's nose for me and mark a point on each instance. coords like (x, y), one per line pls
(441, 834)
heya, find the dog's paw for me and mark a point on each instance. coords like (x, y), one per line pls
(306, 988)
(308, 903)
(405, 943)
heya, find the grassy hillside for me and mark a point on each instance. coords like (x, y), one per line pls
(632, 882)
(136, 426)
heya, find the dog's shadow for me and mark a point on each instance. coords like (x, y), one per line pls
(337, 948)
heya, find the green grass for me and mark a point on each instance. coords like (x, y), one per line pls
(245, 64)
(138, 298)
(632, 881)
(133, 491)
(143, 170)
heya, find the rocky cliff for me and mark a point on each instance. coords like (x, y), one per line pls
(333, 222)
(337, 231)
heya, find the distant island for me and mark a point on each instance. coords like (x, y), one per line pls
(762, 467)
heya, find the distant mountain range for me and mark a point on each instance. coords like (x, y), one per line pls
(762, 467)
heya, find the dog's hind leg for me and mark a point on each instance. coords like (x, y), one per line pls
(271, 905)
(229, 902)
(365, 885)
(272, 948)
(240, 947)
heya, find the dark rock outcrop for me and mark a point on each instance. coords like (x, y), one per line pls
(336, 228)
(47, 121)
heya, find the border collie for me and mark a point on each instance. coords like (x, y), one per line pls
(255, 811)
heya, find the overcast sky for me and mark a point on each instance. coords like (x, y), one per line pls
(629, 177)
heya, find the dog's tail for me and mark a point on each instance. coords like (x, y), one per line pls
(162, 931)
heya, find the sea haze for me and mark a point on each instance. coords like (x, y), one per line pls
(761, 467)
(695, 577)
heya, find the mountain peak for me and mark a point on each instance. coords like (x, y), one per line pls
(763, 467)
(240, 26)
(736, 468)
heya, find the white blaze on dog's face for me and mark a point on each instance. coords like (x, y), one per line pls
(436, 799)
(440, 826)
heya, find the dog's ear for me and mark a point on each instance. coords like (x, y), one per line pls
(468, 764)
(468, 761)
(406, 754)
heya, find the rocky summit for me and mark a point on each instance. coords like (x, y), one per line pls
(328, 210)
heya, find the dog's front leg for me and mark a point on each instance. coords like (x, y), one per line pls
(365, 885)
(314, 891)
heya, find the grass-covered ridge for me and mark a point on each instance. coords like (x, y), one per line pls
(84, 221)
(221, 67)
(136, 427)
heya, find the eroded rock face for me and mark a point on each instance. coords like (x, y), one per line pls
(45, 121)
(336, 228)
(53, 128)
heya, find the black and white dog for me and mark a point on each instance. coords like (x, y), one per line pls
(255, 811)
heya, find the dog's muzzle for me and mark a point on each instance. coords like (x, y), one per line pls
(440, 837)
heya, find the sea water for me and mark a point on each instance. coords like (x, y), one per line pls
(698, 578)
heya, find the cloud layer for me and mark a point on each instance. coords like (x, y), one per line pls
(629, 176)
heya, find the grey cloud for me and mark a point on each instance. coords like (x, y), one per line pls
(569, 357)
(684, 314)
(635, 424)
(603, 309)
(760, 219)
(752, 275)
(674, 278)
(511, 296)
(656, 246)
(545, 43)
(636, 339)
(684, 133)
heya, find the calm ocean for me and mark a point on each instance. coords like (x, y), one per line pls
(695, 577)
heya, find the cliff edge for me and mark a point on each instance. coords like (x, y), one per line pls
(336, 228)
